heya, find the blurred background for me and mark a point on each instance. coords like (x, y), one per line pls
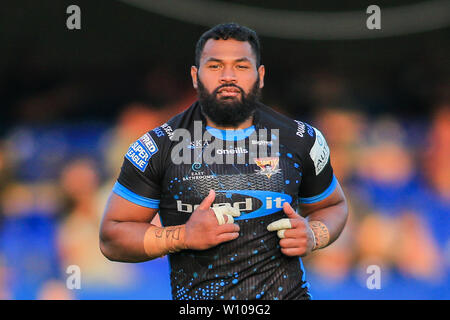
(73, 100)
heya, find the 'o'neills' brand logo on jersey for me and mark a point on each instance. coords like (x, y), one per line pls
(269, 166)
(237, 150)
(270, 202)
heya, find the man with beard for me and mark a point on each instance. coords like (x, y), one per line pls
(219, 214)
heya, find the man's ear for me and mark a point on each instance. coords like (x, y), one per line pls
(261, 72)
(194, 72)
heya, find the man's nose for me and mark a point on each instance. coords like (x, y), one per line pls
(228, 75)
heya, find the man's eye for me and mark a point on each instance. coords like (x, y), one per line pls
(213, 66)
(242, 67)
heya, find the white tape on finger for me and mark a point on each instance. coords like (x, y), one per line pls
(226, 210)
(219, 215)
(284, 223)
(280, 233)
(234, 211)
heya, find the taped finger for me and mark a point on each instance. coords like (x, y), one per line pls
(280, 233)
(229, 218)
(226, 210)
(219, 215)
(234, 211)
(284, 223)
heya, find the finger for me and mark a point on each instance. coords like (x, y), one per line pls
(291, 243)
(228, 228)
(290, 233)
(289, 211)
(227, 236)
(219, 215)
(229, 218)
(293, 252)
(225, 210)
(234, 211)
(208, 201)
(279, 224)
(280, 233)
(228, 210)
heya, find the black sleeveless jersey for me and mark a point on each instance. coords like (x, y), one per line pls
(256, 170)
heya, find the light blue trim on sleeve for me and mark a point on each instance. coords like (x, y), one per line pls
(135, 198)
(323, 195)
(306, 283)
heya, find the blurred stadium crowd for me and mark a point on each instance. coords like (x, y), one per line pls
(55, 179)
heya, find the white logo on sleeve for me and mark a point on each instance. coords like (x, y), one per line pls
(320, 153)
(141, 151)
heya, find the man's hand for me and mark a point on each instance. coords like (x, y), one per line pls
(203, 230)
(297, 237)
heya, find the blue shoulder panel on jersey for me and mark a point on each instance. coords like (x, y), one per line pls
(323, 195)
(231, 135)
(135, 198)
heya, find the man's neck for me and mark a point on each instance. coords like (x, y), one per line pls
(244, 125)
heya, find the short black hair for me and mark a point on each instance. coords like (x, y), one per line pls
(227, 31)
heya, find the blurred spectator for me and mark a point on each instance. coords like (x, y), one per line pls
(78, 233)
(344, 130)
(27, 239)
(55, 290)
(436, 162)
(135, 120)
(434, 199)
(386, 168)
(395, 235)
(416, 253)
(5, 293)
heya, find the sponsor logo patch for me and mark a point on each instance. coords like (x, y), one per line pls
(269, 165)
(300, 128)
(269, 202)
(158, 131)
(320, 153)
(237, 150)
(141, 151)
(261, 142)
(168, 129)
(198, 144)
(310, 130)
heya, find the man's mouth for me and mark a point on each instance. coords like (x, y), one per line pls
(229, 92)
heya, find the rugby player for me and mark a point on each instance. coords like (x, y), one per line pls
(242, 191)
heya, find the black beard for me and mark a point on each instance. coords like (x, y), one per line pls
(228, 111)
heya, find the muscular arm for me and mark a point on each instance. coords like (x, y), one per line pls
(127, 235)
(332, 212)
(123, 230)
